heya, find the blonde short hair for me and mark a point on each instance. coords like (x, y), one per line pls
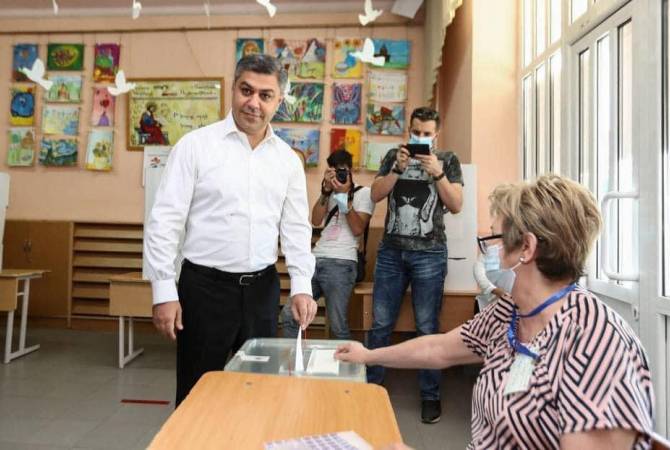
(561, 213)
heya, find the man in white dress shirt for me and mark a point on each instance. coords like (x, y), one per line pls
(233, 188)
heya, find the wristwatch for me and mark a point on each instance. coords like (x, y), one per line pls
(395, 169)
(439, 177)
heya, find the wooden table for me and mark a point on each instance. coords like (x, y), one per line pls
(234, 410)
(129, 296)
(9, 294)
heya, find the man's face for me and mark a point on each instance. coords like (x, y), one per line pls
(420, 128)
(256, 97)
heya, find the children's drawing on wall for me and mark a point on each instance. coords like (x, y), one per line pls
(60, 120)
(385, 119)
(21, 151)
(106, 62)
(346, 139)
(375, 152)
(307, 106)
(65, 89)
(102, 114)
(24, 56)
(22, 105)
(58, 152)
(65, 56)
(303, 140)
(396, 53)
(245, 47)
(99, 150)
(387, 86)
(346, 104)
(300, 58)
(344, 64)
(151, 127)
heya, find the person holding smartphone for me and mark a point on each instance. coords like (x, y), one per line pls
(422, 184)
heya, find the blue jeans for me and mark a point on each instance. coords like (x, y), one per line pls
(395, 269)
(333, 279)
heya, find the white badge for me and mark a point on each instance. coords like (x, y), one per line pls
(518, 379)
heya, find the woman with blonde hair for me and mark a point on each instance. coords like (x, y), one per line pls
(560, 368)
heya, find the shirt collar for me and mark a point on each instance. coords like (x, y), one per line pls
(229, 126)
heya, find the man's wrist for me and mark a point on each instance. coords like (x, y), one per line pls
(438, 177)
(396, 169)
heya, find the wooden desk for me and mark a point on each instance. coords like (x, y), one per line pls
(9, 294)
(457, 308)
(129, 296)
(242, 411)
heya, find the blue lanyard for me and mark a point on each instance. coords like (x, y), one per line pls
(511, 331)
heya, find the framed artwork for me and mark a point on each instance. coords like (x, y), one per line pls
(348, 139)
(246, 47)
(161, 111)
(303, 140)
(65, 89)
(21, 149)
(344, 64)
(22, 105)
(58, 152)
(106, 62)
(58, 119)
(300, 58)
(65, 56)
(387, 86)
(102, 113)
(99, 150)
(24, 56)
(375, 152)
(396, 53)
(385, 119)
(346, 104)
(307, 107)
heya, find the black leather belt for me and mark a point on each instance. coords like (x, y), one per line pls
(243, 279)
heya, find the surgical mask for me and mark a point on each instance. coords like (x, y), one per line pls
(342, 199)
(503, 278)
(427, 140)
(492, 258)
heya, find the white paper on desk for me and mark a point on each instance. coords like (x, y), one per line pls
(348, 440)
(299, 364)
(323, 361)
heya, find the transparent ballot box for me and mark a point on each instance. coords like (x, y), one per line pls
(277, 356)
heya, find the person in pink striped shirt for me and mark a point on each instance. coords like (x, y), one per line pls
(560, 368)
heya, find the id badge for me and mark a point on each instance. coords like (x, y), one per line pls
(332, 232)
(518, 379)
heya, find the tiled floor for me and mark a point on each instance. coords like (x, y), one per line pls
(67, 395)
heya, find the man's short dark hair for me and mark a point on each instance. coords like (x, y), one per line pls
(340, 157)
(263, 64)
(424, 114)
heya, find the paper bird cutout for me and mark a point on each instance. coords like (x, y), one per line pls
(36, 74)
(272, 9)
(288, 98)
(370, 14)
(121, 85)
(137, 7)
(55, 7)
(368, 54)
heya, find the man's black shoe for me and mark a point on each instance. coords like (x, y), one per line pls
(431, 410)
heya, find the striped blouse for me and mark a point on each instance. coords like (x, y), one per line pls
(592, 375)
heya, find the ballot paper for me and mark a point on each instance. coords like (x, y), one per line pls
(252, 358)
(344, 440)
(323, 361)
(299, 365)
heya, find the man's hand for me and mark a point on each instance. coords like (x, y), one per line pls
(430, 164)
(342, 187)
(304, 309)
(167, 318)
(353, 352)
(328, 177)
(402, 158)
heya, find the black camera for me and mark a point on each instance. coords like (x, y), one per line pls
(342, 175)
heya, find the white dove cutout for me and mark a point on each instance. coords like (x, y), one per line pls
(370, 13)
(36, 74)
(121, 85)
(272, 9)
(288, 98)
(137, 7)
(368, 54)
(53, 2)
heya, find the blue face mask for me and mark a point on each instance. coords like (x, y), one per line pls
(427, 140)
(492, 258)
(503, 278)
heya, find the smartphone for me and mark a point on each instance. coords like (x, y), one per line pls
(418, 149)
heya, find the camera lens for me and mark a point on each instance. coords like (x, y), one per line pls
(342, 175)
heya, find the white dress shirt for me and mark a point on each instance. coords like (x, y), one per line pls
(233, 202)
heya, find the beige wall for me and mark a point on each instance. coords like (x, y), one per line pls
(76, 194)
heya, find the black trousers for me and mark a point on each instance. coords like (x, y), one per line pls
(219, 313)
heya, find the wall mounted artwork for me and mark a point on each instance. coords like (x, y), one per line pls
(375, 152)
(21, 150)
(24, 56)
(245, 47)
(99, 150)
(303, 140)
(396, 53)
(65, 56)
(58, 152)
(106, 62)
(348, 139)
(386, 118)
(344, 64)
(57, 119)
(346, 103)
(22, 105)
(65, 89)
(387, 86)
(300, 58)
(307, 107)
(102, 113)
(160, 112)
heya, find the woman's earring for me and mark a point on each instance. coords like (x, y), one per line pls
(522, 259)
